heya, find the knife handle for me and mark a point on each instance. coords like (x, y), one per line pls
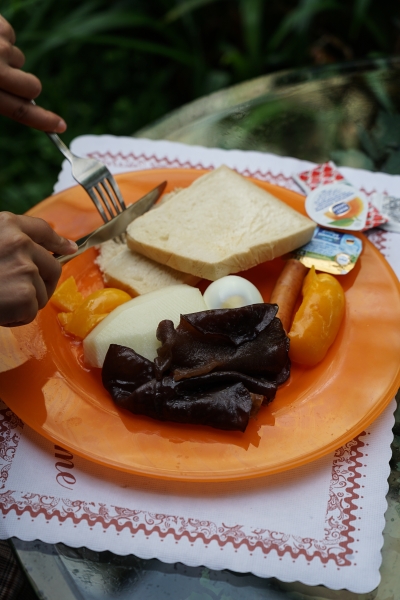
(64, 258)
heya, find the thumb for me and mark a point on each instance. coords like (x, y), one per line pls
(66, 246)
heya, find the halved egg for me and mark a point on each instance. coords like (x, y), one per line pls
(231, 291)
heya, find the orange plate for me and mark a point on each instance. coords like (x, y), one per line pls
(317, 411)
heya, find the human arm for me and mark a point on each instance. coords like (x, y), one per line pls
(18, 88)
(28, 272)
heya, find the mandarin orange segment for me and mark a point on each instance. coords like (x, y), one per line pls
(82, 324)
(64, 318)
(67, 297)
(92, 310)
(104, 301)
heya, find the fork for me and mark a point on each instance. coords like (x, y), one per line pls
(95, 178)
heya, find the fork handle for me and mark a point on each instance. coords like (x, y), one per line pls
(58, 142)
(60, 145)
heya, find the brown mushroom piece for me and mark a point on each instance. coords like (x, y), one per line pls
(216, 368)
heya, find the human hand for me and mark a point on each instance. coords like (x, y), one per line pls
(18, 88)
(28, 272)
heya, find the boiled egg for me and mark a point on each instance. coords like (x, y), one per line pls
(231, 291)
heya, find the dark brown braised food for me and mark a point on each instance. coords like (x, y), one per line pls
(216, 368)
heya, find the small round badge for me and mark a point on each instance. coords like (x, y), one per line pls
(338, 206)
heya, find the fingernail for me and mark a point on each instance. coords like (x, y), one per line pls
(74, 245)
(62, 126)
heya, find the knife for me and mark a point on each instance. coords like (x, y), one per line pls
(116, 226)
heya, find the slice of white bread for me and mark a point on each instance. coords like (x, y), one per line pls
(221, 224)
(134, 273)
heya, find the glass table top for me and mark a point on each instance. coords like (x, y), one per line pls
(347, 113)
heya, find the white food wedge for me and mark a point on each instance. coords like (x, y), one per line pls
(134, 323)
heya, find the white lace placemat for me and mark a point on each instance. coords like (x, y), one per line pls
(123, 154)
(318, 524)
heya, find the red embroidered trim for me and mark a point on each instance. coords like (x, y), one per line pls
(9, 439)
(342, 490)
(379, 238)
(338, 521)
(133, 162)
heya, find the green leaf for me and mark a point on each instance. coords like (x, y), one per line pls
(341, 222)
(360, 11)
(251, 12)
(374, 29)
(299, 19)
(184, 8)
(392, 164)
(79, 29)
(352, 158)
(375, 150)
(379, 89)
(143, 46)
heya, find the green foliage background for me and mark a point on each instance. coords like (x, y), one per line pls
(115, 66)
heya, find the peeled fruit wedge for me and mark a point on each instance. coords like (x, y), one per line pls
(67, 297)
(91, 311)
(134, 324)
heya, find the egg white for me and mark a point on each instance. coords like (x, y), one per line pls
(231, 291)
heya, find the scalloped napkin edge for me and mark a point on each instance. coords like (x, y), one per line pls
(320, 524)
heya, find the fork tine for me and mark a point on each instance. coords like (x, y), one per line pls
(105, 199)
(97, 204)
(112, 183)
(91, 174)
(105, 196)
(110, 195)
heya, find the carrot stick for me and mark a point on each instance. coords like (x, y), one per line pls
(286, 290)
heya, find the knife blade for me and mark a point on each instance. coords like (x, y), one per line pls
(116, 226)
